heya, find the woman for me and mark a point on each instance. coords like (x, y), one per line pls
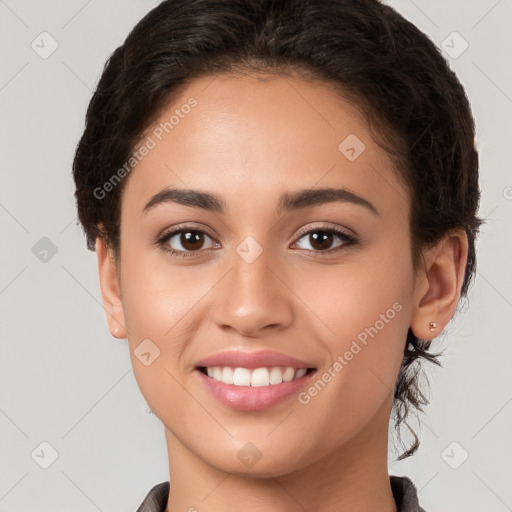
(282, 197)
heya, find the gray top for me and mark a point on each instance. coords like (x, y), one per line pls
(404, 492)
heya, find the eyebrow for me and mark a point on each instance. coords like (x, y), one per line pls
(288, 201)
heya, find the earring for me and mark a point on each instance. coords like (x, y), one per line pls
(432, 326)
(116, 330)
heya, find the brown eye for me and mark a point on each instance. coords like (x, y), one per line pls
(321, 240)
(184, 241)
(191, 240)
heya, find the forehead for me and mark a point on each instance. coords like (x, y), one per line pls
(249, 138)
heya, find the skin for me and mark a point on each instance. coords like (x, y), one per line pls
(249, 139)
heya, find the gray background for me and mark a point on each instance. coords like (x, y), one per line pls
(65, 381)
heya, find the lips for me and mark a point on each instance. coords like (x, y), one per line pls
(252, 381)
(251, 360)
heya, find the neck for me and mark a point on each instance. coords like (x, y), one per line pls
(353, 477)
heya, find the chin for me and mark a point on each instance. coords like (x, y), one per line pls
(249, 462)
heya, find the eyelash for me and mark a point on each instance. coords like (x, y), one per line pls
(166, 236)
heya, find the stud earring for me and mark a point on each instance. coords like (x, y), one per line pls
(116, 330)
(432, 326)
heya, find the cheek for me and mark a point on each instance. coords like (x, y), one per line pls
(157, 292)
(368, 291)
(159, 310)
(364, 308)
(161, 303)
(152, 306)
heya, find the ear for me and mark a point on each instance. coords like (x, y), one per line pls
(438, 285)
(110, 290)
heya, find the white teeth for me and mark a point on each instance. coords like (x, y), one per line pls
(257, 377)
(260, 377)
(300, 373)
(217, 373)
(288, 374)
(242, 377)
(276, 376)
(227, 375)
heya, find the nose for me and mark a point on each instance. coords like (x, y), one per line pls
(253, 298)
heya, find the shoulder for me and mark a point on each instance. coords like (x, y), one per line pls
(405, 494)
(156, 499)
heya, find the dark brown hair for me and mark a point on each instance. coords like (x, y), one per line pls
(363, 49)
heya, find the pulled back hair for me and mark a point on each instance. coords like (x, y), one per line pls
(362, 49)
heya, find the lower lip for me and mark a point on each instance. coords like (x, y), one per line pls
(248, 398)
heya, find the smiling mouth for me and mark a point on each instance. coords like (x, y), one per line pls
(254, 377)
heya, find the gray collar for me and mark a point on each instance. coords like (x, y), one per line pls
(404, 492)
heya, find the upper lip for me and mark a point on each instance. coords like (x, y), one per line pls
(259, 359)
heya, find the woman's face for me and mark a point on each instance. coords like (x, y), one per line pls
(258, 269)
